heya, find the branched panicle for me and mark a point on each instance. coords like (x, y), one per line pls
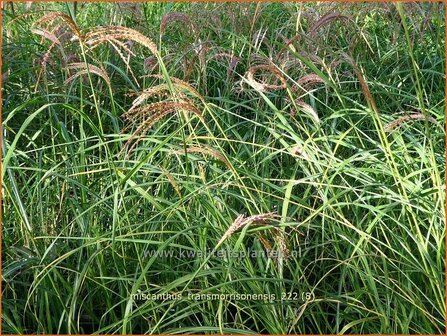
(282, 244)
(112, 33)
(242, 221)
(157, 90)
(365, 88)
(49, 35)
(84, 68)
(120, 38)
(306, 82)
(50, 18)
(287, 44)
(172, 181)
(206, 150)
(412, 116)
(176, 16)
(267, 245)
(148, 115)
(310, 79)
(262, 86)
(181, 85)
(325, 20)
(163, 106)
(233, 60)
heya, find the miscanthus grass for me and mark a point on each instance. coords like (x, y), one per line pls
(175, 150)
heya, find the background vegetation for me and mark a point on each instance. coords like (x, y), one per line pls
(316, 130)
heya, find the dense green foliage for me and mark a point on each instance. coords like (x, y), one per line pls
(336, 138)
